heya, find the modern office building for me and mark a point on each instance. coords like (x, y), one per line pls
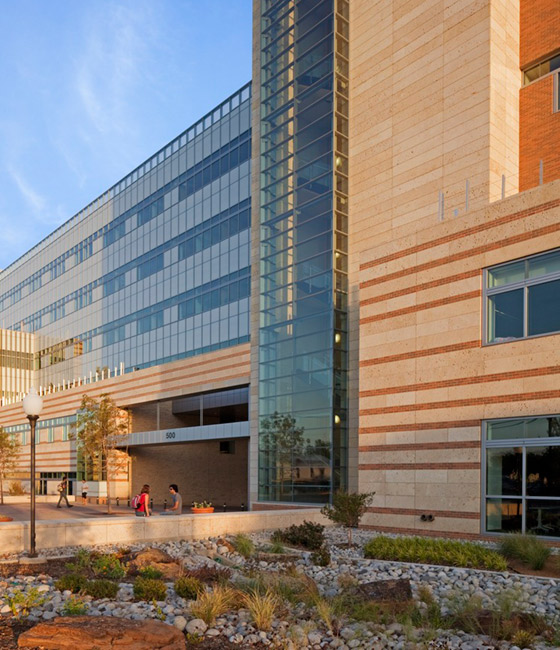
(346, 276)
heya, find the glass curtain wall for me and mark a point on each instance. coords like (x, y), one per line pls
(303, 250)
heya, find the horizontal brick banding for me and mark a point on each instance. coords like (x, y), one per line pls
(460, 235)
(416, 354)
(417, 512)
(465, 254)
(421, 307)
(464, 381)
(422, 426)
(415, 466)
(421, 446)
(421, 287)
(475, 401)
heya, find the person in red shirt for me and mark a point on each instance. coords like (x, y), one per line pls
(143, 509)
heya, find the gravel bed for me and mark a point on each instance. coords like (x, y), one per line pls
(447, 584)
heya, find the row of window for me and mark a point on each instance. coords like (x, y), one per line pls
(202, 236)
(236, 152)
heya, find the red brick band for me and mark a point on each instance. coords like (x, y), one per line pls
(393, 466)
(413, 446)
(421, 426)
(422, 287)
(415, 354)
(426, 305)
(487, 225)
(465, 254)
(464, 381)
(418, 512)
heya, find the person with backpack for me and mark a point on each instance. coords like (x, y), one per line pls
(141, 502)
(61, 488)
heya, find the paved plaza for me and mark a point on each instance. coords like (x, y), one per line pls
(46, 511)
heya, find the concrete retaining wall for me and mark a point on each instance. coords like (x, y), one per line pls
(14, 536)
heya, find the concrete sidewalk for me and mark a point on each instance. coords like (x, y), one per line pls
(47, 511)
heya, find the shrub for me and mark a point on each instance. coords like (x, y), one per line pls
(73, 582)
(523, 639)
(276, 547)
(434, 551)
(101, 588)
(211, 604)
(262, 607)
(108, 566)
(210, 575)
(15, 489)
(527, 549)
(82, 562)
(188, 587)
(74, 607)
(150, 572)
(309, 535)
(22, 602)
(243, 545)
(347, 509)
(321, 557)
(149, 589)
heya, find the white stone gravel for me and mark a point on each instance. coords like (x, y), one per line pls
(447, 584)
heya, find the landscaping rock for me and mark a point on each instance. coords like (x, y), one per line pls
(158, 559)
(102, 633)
(398, 590)
(196, 626)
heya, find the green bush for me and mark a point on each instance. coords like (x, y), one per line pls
(101, 588)
(243, 545)
(527, 549)
(189, 588)
(108, 566)
(149, 589)
(74, 607)
(150, 572)
(434, 551)
(347, 509)
(321, 557)
(82, 561)
(73, 582)
(309, 535)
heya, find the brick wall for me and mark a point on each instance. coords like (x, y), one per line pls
(540, 30)
(539, 133)
(426, 379)
(198, 468)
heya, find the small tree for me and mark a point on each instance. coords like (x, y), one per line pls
(100, 428)
(9, 450)
(284, 440)
(347, 509)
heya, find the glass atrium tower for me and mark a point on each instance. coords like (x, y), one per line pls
(302, 254)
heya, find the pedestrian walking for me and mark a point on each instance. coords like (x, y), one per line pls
(62, 488)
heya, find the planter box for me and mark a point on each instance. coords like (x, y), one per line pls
(201, 511)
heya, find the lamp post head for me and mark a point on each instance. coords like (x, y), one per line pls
(32, 403)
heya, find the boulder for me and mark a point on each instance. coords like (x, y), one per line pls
(387, 590)
(158, 559)
(102, 633)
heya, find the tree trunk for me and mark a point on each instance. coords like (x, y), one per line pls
(109, 512)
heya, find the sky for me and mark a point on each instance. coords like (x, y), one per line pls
(91, 89)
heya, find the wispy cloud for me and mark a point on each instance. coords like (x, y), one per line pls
(33, 199)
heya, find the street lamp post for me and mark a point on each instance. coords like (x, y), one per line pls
(32, 405)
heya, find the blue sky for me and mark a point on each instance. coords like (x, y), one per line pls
(93, 88)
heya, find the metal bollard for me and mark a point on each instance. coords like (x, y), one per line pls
(151, 503)
(97, 500)
(224, 507)
(117, 500)
(165, 504)
(128, 502)
(242, 505)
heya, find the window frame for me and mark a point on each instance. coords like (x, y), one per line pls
(524, 284)
(524, 443)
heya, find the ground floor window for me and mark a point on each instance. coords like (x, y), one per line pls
(522, 475)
